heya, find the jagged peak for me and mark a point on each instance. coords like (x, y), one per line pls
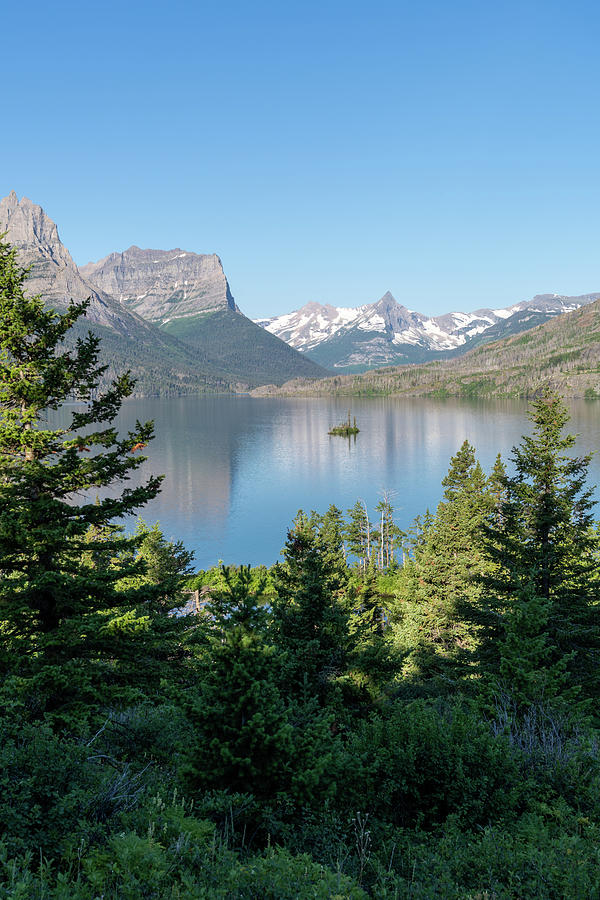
(9, 204)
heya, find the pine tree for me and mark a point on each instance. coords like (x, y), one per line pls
(443, 574)
(311, 624)
(166, 563)
(372, 662)
(539, 614)
(358, 534)
(329, 532)
(57, 611)
(244, 736)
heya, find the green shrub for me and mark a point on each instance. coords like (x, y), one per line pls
(421, 763)
(45, 787)
(535, 860)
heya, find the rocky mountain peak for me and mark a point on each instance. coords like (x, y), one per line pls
(162, 285)
(386, 333)
(9, 204)
(31, 230)
(54, 275)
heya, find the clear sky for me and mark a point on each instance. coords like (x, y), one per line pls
(446, 151)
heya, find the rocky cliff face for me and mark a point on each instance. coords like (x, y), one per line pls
(189, 335)
(54, 275)
(162, 285)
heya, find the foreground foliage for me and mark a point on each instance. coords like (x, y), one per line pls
(342, 726)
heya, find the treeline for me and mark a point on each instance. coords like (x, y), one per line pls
(378, 715)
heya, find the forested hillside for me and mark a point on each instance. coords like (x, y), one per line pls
(563, 353)
(380, 715)
(237, 346)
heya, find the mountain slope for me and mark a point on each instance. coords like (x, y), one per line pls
(242, 348)
(387, 333)
(159, 363)
(187, 296)
(170, 288)
(564, 353)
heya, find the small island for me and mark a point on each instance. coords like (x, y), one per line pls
(345, 429)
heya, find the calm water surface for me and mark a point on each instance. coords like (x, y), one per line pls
(238, 469)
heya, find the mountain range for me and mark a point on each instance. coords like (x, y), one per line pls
(562, 353)
(386, 333)
(168, 316)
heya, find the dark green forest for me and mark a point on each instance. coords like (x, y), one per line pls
(381, 714)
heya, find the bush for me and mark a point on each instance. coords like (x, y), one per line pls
(45, 786)
(423, 762)
(535, 860)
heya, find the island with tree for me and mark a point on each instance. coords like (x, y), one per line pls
(345, 429)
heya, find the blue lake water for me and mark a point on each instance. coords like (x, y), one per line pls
(238, 469)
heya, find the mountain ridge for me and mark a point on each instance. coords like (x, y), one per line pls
(562, 353)
(163, 284)
(189, 362)
(388, 333)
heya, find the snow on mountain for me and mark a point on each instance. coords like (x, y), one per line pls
(386, 332)
(311, 325)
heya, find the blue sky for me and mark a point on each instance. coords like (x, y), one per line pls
(446, 151)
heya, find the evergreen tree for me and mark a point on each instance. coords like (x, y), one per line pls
(166, 563)
(358, 534)
(442, 576)
(329, 533)
(244, 737)
(372, 661)
(539, 614)
(311, 625)
(55, 610)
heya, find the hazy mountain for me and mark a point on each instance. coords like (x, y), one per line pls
(187, 295)
(564, 353)
(387, 333)
(215, 347)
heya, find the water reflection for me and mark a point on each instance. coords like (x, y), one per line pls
(237, 469)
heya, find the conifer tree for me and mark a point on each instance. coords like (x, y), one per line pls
(443, 574)
(329, 533)
(56, 610)
(311, 624)
(358, 534)
(372, 661)
(539, 615)
(244, 737)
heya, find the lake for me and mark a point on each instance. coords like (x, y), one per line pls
(238, 468)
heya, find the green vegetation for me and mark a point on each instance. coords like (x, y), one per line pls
(345, 429)
(160, 365)
(237, 346)
(381, 714)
